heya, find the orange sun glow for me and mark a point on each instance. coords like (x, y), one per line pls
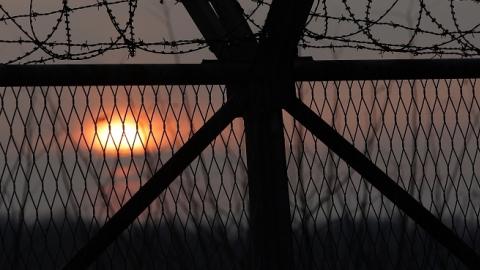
(121, 136)
(129, 134)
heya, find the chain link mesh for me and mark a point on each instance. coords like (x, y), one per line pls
(72, 156)
(424, 134)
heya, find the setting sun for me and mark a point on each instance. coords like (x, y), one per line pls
(134, 132)
(121, 136)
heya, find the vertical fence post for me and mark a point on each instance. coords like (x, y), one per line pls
(272, 79)
(270, 225)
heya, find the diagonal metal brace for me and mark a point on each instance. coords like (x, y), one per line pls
(158, 183)
(222, 21)
(381, 181)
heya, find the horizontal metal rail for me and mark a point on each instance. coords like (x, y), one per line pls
(135, 74)
(397, 69)
(216, 72)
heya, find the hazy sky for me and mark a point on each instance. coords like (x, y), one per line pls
(156, 22)
(420, 132)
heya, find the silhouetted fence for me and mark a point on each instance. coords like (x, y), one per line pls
(78, 142)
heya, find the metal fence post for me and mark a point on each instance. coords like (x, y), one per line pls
(270, 224)
(272, 79)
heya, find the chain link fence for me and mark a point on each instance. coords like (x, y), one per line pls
(424, 134)
(72, 156)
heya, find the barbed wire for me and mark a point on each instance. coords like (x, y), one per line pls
(423, 32)
(399, 26)
(67, 49)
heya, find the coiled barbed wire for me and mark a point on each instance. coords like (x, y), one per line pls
(424, 33)
(333, 24)
(69, 50)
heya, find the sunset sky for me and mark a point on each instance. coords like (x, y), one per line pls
(145, 126)
(72, 156)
